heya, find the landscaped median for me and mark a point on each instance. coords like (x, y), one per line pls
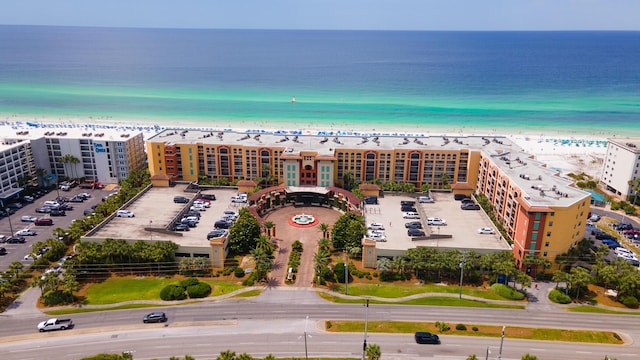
(514, 332)
(129, 292)
(433, 295)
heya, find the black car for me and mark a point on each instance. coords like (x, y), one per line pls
(222, 224)
(154, 317)
(180, 199)
(77, 199)
(189, 223)
(14, 206)
(181, 227)
(57, 212)
(407, 203)
(65, 207)
(371, 200)
(3, 251)
(16, 240)
(413, 225)
(470, 206)
(408, 209)
(216, 233)
(208, 196)
(426, 338)
(622, 226)
(415, 232)
(193, 213)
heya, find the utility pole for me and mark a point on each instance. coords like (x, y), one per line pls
(462, 271)
(366, 320)
(306, 353)
(501, 341)
(346, 271)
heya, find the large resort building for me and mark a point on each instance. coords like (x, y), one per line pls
(542, 213)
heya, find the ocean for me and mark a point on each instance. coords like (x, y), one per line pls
(564, 83)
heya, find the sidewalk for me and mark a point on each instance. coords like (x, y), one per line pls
(25, 305)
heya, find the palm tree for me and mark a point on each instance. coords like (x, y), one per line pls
(373, 352)
(40, 174)
(269, 225)
(384, 265)
(325, 230)
(69, 159)
(226, 355)
(472, 357)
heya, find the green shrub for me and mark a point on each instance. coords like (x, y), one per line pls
(475, 328)
(57, 297)
(442, 326)
(629, 301)
(461, 327)
(172, 292)
(199, 290)
(297, 246)
(559, 297)
(238, 272)
(250, 280)
(507, 292)
(188, 282)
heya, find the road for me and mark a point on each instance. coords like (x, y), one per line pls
(274, 322)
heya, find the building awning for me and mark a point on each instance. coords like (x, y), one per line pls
(9, 193)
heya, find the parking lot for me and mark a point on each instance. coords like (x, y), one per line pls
(156, 209)
(17, 252)
(462, 225)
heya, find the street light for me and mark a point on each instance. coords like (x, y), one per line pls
(366, 321)
(306, 353)
(501, 341)
(461, 272)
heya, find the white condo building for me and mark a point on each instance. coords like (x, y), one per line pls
(104, 154)
(621, 165)
(16, 165)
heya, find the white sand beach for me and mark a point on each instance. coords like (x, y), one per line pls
(575, 153)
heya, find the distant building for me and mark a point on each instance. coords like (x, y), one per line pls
(621, 164)
(103, 154)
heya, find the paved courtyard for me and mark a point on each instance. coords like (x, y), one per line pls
(287, 234)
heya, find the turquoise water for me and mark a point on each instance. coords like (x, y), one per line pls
(552, 83)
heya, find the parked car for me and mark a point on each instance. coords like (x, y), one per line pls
(486, 230)
(189, 223)
(125, 213)
(28, 218)
(470, 206)
(27, 198)
(88, 212)
(408, 208)
(3, 251)
(434, 221)
(371, 200)
(85, 196)
(415, 232)
(407, 203)
(57, 212)
(51, 203)
(410, 215)
(3, 239)
(425, 199)
(77, 199)
(44, 222)
(375, 226)
(154, 317)
(422, 337)
(180, 199)
(66, 207)
(206, 204)
(208, 196)
(595, 218)
(26, 232)
(375, 233)
(238, 199)
(413, 225)
(181, 227)
(459, 196)
(14, 206)
(216, 233)
(16, 240)
(611, 243)
(222, 224)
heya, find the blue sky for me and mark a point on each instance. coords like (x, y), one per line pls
(330, 14)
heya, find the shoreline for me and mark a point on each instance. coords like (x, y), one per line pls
(566, 153)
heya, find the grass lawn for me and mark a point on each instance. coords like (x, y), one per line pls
(406, 327)
(432, 300)
(119, 289)
(595, 309)
(389, 290)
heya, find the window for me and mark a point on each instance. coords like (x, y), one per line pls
(546, 244)
(534, 236)
(550, 223)
(548, 235)
(544, 254)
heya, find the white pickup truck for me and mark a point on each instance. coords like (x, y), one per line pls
(55, 324)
